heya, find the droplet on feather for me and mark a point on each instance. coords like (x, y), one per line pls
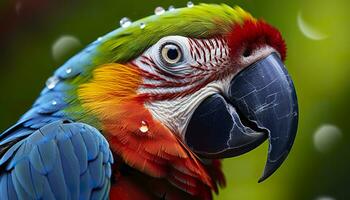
(125, 22)
(159, 10)
(171, 8)
(142, 25)
(144, 127)
(190, 4)
(52, 82)
(69, 70)
(54, 102)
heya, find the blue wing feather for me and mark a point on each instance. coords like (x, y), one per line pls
(80, 152)
(85, 185)
(42, 157)
(62, 160)
(70, 165)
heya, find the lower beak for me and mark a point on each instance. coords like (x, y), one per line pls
(261, 104)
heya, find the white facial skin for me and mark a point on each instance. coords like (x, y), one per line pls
(200, 60)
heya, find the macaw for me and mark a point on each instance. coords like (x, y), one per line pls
(148, 110)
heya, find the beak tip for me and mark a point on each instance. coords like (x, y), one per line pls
(271, 167)
(264, 176)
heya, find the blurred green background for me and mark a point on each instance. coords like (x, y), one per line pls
(37, 36)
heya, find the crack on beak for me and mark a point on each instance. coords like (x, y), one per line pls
(251, 123)
(253, 110)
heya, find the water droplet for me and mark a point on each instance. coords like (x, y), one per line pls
(69, 70)
(64, 46)
(144, 127)
(52, 82)
(125, 22)
(142, 25)
(325, 198)
(53, 102)
(326, 137)
(171, 8)
(159, 10)
(190, 4)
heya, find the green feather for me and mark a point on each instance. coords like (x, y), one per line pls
(202, 21)
(125, 44)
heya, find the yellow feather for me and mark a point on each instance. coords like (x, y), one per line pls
(111, 85)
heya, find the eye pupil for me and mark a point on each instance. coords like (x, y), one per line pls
(172, 53)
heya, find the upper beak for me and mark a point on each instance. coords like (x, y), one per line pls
(261, 104)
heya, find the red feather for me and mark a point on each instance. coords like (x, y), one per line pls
(253, 34)
(157, 153)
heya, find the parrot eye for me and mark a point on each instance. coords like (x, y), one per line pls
(171, 54)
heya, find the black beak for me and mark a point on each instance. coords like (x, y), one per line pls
(261, 104)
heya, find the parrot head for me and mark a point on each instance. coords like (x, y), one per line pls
(176, 90)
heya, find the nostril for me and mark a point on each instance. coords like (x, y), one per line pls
(247, 52)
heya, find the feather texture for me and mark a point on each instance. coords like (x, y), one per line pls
(42, 157)
(55, 161)
(156, 152)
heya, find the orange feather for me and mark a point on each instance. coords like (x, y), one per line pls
(138, 139)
